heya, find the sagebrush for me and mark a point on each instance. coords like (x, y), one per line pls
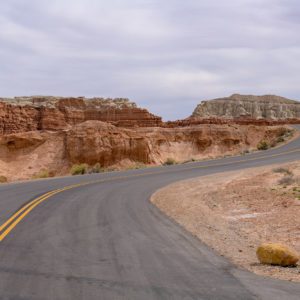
(170, 161)
(80, 169)
(263, 145)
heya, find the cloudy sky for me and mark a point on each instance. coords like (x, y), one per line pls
(165, 55)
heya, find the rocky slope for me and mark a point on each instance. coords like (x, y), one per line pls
(22, 114)
(249, 107)
(24, 155)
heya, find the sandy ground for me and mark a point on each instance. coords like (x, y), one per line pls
(235, 212)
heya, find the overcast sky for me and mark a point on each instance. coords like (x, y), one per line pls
(166, 55)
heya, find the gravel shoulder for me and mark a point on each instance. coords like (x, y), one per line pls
(235, 212)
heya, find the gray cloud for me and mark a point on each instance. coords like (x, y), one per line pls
(165, 55)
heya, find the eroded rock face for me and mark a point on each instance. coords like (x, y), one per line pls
(53, 133)
(24, 114)
(95, 141)
(22, 155)
(248, 106)
(98, 142)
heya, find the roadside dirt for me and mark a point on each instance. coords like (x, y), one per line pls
(235, 212)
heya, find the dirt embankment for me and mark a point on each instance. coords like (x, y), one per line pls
(235, 212)
(25, 155)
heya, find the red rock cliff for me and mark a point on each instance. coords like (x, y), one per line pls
(97, 142)
(51, 113)
(24, 154)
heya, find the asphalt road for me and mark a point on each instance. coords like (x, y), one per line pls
(104, 240)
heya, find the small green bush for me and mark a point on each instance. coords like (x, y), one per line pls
(41, 174)
(79, 169)
(284, 135)
(263, 145)
(3, 179)
(169, 162)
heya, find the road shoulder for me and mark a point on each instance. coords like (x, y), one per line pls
(234, 212)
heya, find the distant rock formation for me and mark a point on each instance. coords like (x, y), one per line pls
(22, 114)
(247, 106)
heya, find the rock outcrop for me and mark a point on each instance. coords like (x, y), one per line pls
(93, 142)
(194, 121)
(250, 107)
(53, 133)
(22, 155)
(24, 114)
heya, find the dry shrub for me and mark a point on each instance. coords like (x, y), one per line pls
(41, 174)
(169, 162)
(286, 180)
(263, 145)
(283, 171)
(79, 169)
(3, 179)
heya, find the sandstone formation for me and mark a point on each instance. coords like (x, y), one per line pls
(250, 107)
(53, 133)
(277, 254)
(22, 114)
(23, 155)
(93, 142)
(194, 121)
(98, 142)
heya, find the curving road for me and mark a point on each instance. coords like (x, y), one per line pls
(102, 239)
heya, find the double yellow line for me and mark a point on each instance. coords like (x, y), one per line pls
(19, 215)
